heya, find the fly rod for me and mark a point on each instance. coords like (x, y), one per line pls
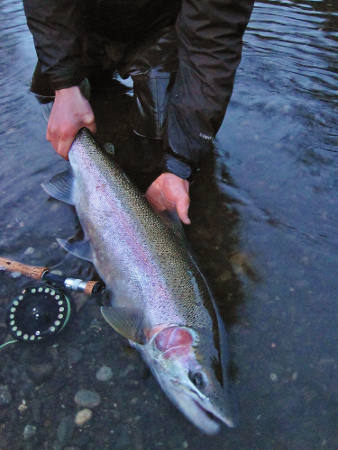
(43, 273)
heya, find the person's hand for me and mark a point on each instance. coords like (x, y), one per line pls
(71, 112)
(169, 191)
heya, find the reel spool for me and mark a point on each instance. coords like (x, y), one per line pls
(39, 312)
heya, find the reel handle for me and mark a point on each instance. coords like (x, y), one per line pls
(93, 287)
(74, 284)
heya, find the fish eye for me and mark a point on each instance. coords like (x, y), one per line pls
(197, 379)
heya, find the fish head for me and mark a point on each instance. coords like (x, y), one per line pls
(191, 374)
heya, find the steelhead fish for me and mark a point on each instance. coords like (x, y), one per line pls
(160, 301)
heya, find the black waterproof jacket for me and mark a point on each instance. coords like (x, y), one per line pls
(209, 43)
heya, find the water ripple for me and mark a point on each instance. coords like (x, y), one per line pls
(304, 37)
(16, 65)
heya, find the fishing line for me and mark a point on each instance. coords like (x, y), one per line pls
(7, 343)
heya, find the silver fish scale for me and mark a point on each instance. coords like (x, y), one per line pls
(139, 258)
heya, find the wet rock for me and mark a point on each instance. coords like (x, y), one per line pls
(65, 429)
(26, 388)
(130, 368)
(29, 431)
(5, 395)
(83, 417)
(122, 440)
(29, 251)
(15, 274)
(57, 446)
(109, 148)
(53, 355)
(224, 276)
(35, 405)
(104, 374)
(242, 266)
(273, 377)
(81, 441)
(116, 415)
(39, 373)
(294, 376)
(74, 356)
(23, 406)
(87, 399)
(96, 324)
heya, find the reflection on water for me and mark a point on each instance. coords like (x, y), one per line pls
(264, 227)
(303, 36)
(13, 77)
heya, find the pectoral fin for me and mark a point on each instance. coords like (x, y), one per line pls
(126, 321)
(80, 249)
(61, 187)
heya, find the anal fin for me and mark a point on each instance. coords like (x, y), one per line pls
(61, 187)
(80, 249)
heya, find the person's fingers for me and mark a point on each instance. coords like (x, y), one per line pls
(182, 207)
(92, 127)
(88, 121)
(63, 147)
(155, 198)
(53, 141)
(51, 135)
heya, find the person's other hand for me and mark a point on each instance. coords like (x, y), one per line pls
(169, 191)
(71, 112)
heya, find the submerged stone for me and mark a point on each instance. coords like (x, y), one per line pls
(83, 417)
(104, 374)
(65, 429)
(5, 395)
(29, 431)
(87, 399)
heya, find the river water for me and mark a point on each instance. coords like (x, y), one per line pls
(264, 226)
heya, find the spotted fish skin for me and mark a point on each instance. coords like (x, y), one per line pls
(134, 251)
(156, 285)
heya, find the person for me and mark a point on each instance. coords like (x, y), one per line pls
(182, 56)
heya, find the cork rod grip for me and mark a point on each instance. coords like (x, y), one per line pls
(29, 271)
(90, 287)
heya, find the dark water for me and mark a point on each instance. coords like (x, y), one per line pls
(265, 218)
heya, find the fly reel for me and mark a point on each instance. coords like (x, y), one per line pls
(38, 312)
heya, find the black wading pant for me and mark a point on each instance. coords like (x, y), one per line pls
(152, 65)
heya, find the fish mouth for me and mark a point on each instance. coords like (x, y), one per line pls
(203, 416)
(211, 423)
(212, 416)
(207, 414)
